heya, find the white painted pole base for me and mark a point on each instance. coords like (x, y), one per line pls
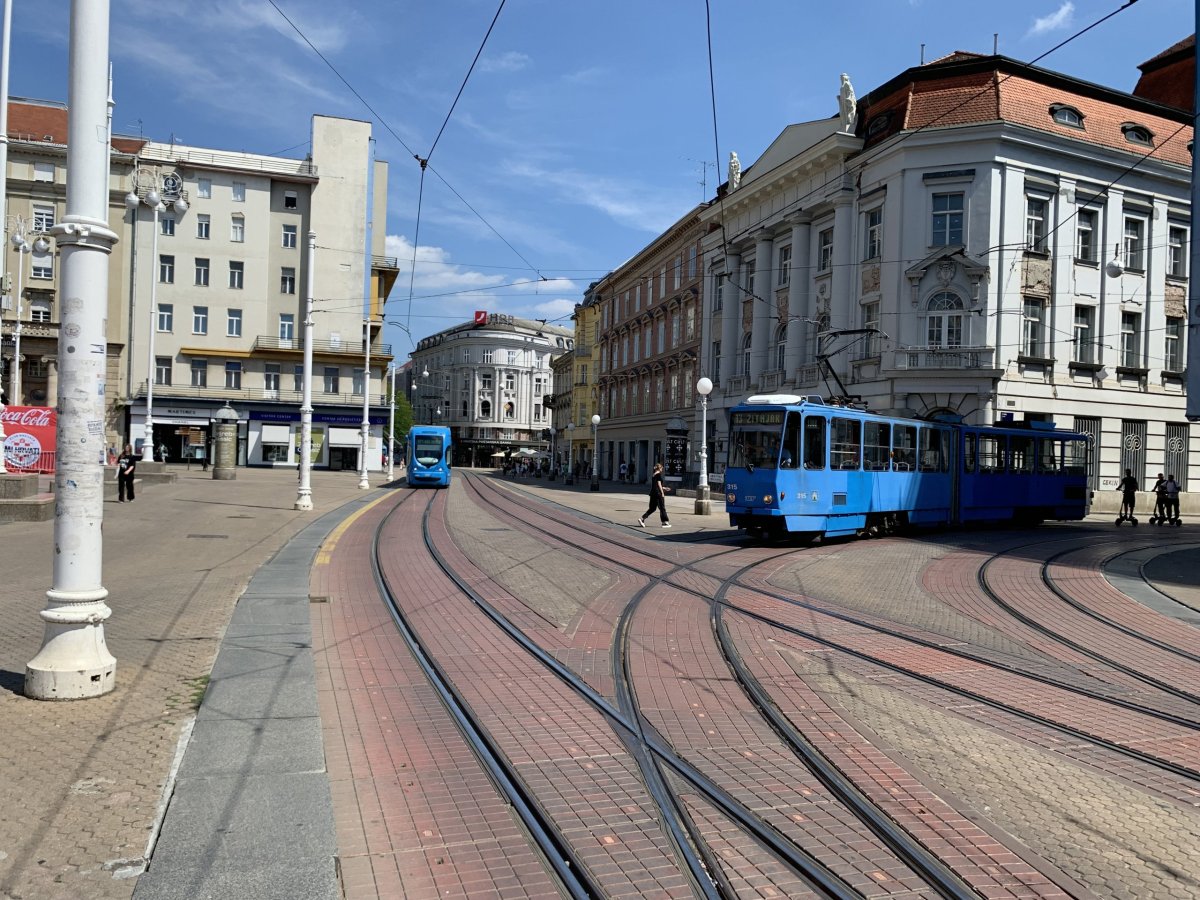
(74, 662)
(303, 501)
(703, 501)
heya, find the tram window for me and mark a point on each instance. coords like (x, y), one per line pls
(877, 440)
(1075, 457)
(935, 450)
(1020, 451)
(427, 449)
(904, 448)
(991, 453)
(845, 443)
(755, 440)
(968, 452)
(790, 451)
(814, 442)
(1050, 453)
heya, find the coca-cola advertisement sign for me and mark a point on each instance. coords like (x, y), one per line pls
(29, 444)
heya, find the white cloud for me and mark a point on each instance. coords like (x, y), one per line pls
(1056, 21)
(512, 61)
(631, 204)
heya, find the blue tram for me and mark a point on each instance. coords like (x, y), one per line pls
(429, 456)
(797, 465)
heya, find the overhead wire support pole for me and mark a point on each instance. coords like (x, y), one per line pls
(73, 662)
(304, 492)
(1193, 329)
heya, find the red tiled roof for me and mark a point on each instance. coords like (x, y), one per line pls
(43, 122)
(1160, 59)
(921, 99)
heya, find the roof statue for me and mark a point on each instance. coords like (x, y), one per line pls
(735, 171)
(847, 105)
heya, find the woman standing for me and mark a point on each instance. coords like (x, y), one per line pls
(126, 467)
(658, 498)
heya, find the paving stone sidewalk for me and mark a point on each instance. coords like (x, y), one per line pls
(81, 782)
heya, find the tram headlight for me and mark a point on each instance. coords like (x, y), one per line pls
(731, 497)
(767, 498)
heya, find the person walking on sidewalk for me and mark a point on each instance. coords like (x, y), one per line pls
(658, 498)
(126, 467)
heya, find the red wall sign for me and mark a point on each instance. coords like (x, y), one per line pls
(31, 438)
(480, 317)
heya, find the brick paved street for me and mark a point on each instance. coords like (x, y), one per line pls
(415, 816)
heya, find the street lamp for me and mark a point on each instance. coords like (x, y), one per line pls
(304, 501)
(391, 447)
(703, 505)
(595, 453)
(363, 483)
(20, 243)
(172, 186)
(570, 453)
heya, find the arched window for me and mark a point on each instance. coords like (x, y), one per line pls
(509, 410)
(1138, 134)
(944, 322)
(485, 409)
(1066, 115)
(746, 340)
(780, 345)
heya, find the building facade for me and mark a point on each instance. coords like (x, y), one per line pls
(217, 300)
(488, 380)
(977, 239)
(206, 292)
(650, 327)
(36, 180)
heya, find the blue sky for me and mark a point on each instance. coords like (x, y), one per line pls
(585, 129)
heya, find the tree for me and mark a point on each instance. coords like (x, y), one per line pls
(404, 420)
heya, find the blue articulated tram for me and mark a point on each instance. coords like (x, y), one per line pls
(800, 466)
(429, 456)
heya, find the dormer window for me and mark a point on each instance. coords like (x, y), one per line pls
(1137, 134)
(879, 124)
(1066, 115)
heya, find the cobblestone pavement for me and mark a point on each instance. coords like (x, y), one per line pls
(1056, 824)
(81, 782)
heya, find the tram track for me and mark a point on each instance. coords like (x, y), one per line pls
(1171, 767)
(822, 881)
(1059, 637)
(936, 874)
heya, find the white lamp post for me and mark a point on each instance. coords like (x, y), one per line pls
(363, 483)
(73, 662)
(391, 447)
(570, 453)
(154, 200)
(595, 453)
(304, 492)
(703, 504)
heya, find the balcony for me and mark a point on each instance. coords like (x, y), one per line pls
(214, 394)
(350, 348)
(932, 358)
(384, 262)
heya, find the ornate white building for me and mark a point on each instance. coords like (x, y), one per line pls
(489, 380)
(978, 238)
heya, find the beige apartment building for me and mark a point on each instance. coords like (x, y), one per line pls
(207, 291)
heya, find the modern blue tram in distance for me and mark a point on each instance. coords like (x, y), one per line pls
(429, 456)
(800, 466)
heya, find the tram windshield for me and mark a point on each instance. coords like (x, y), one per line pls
(427, 449)
(756, 439)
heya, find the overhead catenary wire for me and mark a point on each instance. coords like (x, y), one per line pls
(384, 122)
(892, 145)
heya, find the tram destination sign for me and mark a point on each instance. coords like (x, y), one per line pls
(764, 417)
